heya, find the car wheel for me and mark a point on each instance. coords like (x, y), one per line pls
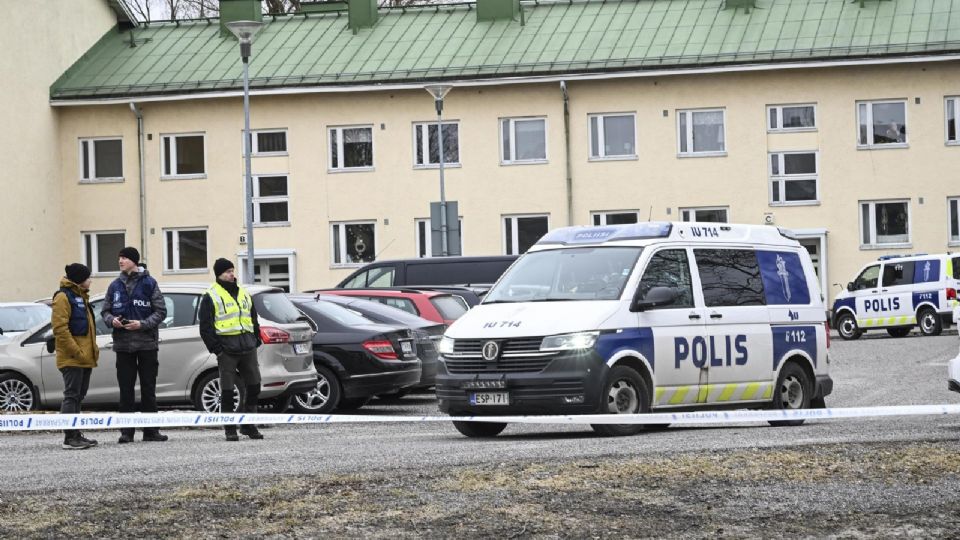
(324, 397)
(206, 394)
(898, 332)
(624, 393)
(929, 322)
(353, 403)
(847, 327)
(16, 394)
(793, 392)
(480, 429)
(275, 405)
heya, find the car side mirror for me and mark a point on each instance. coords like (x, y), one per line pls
(656, 297)
(851, 286)
(51, 343)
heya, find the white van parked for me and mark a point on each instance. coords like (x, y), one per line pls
(897, 293)
(633, 318)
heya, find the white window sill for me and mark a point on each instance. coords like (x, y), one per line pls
(270, 224)
(524, 162)
(184, 177)
(953, 243)
(436, 166)
(350, 170)
(702, 154)
(870, 247)
(952, 143)
(185, 272)
(631, 157)
(882, 146)
(269, 154)
(792, 130)
(347, 265)
(105, 274)
(101, 180)
(795, 203)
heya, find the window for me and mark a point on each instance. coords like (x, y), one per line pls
(426, 149)
(375, 277)
(351, 148)
(704, 214)
(730, 277)
(101, 160)
(898, 273)
(268, 143)
(185, 250)
(353, 243)
(882, 123)
(181, 310)
(613, 136)
(522, 232)
(868, 278)
(884, 223)
(270, 200)
(425, 239)
(615, 218)
(953, 205)
(100, 250)
(394, 302)
(669, 268)
(450, 307)
(523, 140)
(701, 132)
(183, 155)
(952, 106)
(793, 177)
(791, 117)
(956, 267)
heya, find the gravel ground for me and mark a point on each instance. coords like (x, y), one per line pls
(847, 479)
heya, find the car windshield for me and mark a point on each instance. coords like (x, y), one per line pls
(330, 311)
(276, 307)
(567, 274)
(22, 318)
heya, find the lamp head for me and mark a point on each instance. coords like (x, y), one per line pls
(244, 31)
(438, 91)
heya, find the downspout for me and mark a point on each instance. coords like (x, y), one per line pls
(566, 147)
(143, 183)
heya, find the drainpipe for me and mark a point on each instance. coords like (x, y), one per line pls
(566, 147)
(143, 183)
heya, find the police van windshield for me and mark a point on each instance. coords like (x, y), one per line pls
(567, 274)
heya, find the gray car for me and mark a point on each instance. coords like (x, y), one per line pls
(29, 378)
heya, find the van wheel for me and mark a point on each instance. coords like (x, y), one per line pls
(16, 394)
(793, 392)
(323, 398)
(206, 393)
(479, 429)
(929, 322)
(624, 393)
(898, 332)
(847, 327)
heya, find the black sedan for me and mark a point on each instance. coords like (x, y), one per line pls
(355, 358)
(427, 333)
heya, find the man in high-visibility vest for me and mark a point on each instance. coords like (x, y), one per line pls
(229, 329)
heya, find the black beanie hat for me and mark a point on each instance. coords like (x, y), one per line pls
(76, 272)
(221, 266)
(131, 253)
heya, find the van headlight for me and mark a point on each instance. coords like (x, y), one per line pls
(569, 342)
(446, 345)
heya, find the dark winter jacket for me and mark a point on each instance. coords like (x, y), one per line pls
(216, 343)
(148, 337)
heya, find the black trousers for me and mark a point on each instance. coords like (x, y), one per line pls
(76, 381)
(236, 370)
(130, 366)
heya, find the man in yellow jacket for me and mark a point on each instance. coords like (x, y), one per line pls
(76, 337)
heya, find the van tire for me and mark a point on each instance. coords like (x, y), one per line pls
(624, 393)
(899, 331)
(480, 430)
(847, 327)
(929, 322)
(793, 391)
(324, 397)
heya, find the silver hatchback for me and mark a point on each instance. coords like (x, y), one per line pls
(29, 378)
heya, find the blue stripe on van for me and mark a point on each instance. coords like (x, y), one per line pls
(783, 279)
(637, 339)
(792, 338)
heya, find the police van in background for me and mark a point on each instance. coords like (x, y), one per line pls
(897, 293)
(632, 318)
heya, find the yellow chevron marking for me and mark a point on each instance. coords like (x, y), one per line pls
(727, 392)
(750, 391)
(679, 395)
(659, 395)
(768, 393)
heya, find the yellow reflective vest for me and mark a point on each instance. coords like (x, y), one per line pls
(231, 317)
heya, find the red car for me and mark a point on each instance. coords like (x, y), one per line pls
(431, 305)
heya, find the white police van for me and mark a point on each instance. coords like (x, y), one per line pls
(896, 293)
(633, 318)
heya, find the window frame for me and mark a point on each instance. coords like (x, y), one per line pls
(602, 214)
(515, 230)
(256, 200)
(870, 132)
(343, 243)
(91, 156)
(176, 254)
(688, 133)
(951, 241)
(601, 118)
(95, 269)
(425, 140)
(779, 109)
(782, 178)
(428, 249)
(955, 100)
(513, 140)
(873, 233)
(683, 209)
(254, 145)
(173, 156)
(343, 169)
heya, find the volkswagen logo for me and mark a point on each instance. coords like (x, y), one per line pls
(490, 351)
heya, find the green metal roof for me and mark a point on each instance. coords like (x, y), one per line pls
(447, 42)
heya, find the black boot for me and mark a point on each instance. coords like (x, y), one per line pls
(231, 433)
(251, 431)
(126, 436)
(154, 435)
(250, 407)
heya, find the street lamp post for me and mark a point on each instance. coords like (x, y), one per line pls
(245, 30)
(438, 91)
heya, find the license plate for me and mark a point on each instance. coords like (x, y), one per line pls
(301, 348)
(406, 347)
(490, 398)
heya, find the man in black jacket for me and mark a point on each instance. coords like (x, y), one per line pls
(229, 329)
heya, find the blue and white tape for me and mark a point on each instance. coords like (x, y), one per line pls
(93, 421)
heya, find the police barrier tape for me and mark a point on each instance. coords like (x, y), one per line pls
(93, 421)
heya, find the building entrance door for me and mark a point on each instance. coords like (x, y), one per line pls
(273, 272)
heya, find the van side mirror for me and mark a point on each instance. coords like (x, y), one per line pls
(656, 297)
(51, 343)
(851, 286)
